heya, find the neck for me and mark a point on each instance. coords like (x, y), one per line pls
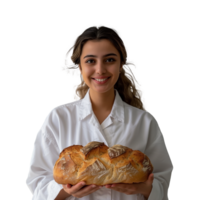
(102, 101)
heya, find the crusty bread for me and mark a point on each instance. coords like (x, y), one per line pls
(98, 164)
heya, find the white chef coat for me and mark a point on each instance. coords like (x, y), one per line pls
(76, 123)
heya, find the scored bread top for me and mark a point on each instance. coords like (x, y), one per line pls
(98, 164)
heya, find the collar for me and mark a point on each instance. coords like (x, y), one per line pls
(117, 112)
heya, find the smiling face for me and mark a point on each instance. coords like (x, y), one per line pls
(100, 65)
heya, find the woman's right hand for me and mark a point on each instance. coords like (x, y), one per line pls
(80, 189)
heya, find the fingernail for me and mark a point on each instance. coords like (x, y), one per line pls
(83, 183)
(93, 186)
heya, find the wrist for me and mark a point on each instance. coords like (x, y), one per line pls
(147, 194)
(62, 195)
(146, 197)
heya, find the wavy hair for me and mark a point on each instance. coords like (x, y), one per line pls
(125, 84)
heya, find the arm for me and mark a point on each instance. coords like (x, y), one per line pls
(45, 153)
(62, 195)
(40, 178)
(160, 156)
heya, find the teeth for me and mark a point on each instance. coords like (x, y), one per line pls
(101, 80)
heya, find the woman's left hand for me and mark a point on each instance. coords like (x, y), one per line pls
(134, 188)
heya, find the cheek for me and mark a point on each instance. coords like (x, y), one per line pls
(87, 71)
(87, 74)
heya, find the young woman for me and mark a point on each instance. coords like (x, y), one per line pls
(110, 111)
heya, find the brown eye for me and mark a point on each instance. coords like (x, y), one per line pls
(93, 60)
(111, 59)
(89, 60)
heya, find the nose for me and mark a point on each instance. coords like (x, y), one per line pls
(100, 68)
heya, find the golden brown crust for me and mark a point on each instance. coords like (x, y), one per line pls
(98, 164)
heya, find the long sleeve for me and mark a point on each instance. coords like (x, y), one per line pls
(157, 152)
(74, 123)
(40, 178)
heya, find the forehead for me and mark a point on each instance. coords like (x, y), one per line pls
(99, 48)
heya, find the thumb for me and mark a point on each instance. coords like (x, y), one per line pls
(150, 178)
(67, 186)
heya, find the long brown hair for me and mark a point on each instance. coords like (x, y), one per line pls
(125, 84)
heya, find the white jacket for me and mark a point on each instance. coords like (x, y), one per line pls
(75, 123)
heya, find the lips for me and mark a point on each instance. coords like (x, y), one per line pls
(101, 78)
(101, 82)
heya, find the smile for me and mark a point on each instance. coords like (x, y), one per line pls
(101, 81)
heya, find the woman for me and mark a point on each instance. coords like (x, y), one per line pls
(110, 111)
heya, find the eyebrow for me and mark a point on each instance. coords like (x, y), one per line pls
(110, 54)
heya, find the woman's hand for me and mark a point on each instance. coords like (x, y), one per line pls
(79, 190)
(134, 188)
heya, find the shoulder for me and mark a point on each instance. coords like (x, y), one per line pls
(132, 111)
(58, 117)
(65, 108)
(62, 113)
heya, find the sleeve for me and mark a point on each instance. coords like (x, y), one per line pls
(45, 153)
(157, 152)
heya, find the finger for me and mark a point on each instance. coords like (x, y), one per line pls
(87, 190)
(73, 189)
(79, 186)
(90, 188)
(67, 186)
(108, 185)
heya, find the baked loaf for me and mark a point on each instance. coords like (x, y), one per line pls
(98, 164)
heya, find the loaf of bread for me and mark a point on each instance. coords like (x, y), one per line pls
(98, 164)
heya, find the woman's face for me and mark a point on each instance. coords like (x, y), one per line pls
(99, 70)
